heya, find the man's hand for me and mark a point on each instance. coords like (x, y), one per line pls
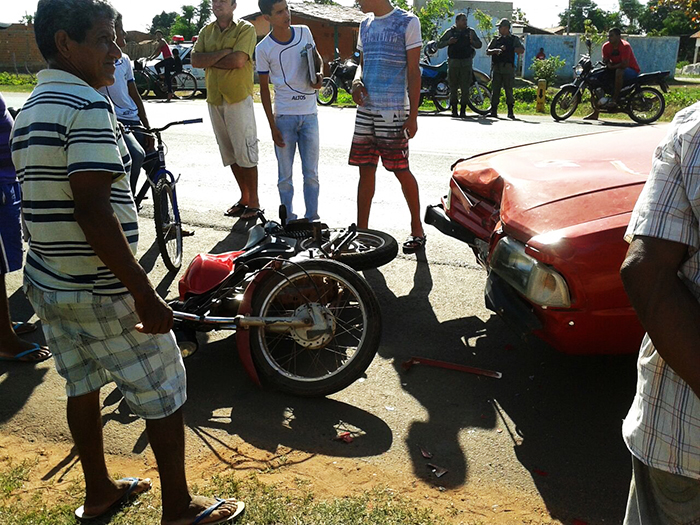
(319, 81)
(156, 317)
(359, 93)
(277, 137)
(411, 127)
(150, 142)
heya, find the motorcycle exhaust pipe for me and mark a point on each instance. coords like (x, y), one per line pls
(245, 321)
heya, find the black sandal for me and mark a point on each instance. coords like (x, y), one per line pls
(236, 210)
(413, 243)
(250, 213)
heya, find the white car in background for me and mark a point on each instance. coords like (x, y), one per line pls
(185, 50)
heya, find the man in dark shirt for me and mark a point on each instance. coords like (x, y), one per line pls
(502, 51)
(461, 42)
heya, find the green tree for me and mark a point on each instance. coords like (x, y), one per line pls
(431, 15)
(184, 24)
(667, 19)
(163, 21)
(632, 10)
(203, 14)
(548, 69)
(26, 19)
(519, 16)
(484, 26)
(581, 10)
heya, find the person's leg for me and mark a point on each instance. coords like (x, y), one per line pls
(365, 194)
(10, 343)
(508, 84)
(137, 154)
(168, 65)
(453, 81)
(218, 121)
(496, 83)
(409, 186)
(309, 146)
(288, 125)
(465, 83)
(619, 81)
(243, 134)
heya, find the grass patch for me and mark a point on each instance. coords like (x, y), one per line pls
(265, 504)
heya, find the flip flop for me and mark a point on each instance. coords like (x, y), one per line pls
(413, 243)
(240, 507)
(21, 328)
(236, 210)
(250, 213)
(36, 347)
(80, 511)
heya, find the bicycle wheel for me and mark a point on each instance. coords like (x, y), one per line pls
(184, 85)
(168, 226)
(333, 353)
(143, 85)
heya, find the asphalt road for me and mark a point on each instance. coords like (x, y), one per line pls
(549, 429)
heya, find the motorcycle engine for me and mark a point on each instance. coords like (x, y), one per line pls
(599, 93)
(442, 88)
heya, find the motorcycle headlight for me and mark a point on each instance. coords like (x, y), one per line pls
(578, 70)
(533, 279)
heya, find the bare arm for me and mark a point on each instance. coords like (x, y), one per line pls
(266, 100)
(359, 91)
(136, 97)
(94, 215)
(413, 77)
(205, 60)
(665, 306)
(234, 60)
(318, 62)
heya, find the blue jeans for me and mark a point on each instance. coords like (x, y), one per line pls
(301, 131)
(136, 151)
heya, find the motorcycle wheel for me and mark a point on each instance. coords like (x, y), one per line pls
(565, 103)
(370, 249)
(328, 92)
(479, 99)
(441, 104)
(328, 357)
(646, 105)
(143, 85)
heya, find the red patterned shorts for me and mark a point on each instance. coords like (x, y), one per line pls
(380, 134)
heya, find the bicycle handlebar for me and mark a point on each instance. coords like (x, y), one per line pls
(158, 130)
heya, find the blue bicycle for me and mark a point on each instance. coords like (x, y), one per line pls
(166, 214)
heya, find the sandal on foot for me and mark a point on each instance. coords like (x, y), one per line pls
(20, 327)
(236, 210)
(22, 356)
(80, 511)
(240, 507)
(250, 213)
(413, 243)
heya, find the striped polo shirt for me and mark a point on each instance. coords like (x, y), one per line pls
(67, 127)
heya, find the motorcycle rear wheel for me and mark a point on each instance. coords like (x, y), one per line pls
(479, 99)
(143, 84)
(441, 104)
(646, 105)
(564, 103)
(370, 249)
(316, 363)
(328, 92)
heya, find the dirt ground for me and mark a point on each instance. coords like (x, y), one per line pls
(55, 468)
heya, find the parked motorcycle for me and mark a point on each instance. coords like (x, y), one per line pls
(642, 103)
(342, 75)
(435, 87)
(305, 324)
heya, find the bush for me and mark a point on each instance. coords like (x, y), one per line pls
(682, 64)
(547, 69)
(8, 79)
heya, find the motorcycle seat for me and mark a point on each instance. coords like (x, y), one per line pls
(642, 77)
(432, 67)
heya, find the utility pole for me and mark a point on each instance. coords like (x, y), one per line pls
(568, 17)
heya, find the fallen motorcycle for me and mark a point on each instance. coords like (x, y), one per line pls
(305, 324)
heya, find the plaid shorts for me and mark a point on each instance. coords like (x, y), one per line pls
(380, 134)
(94, 341)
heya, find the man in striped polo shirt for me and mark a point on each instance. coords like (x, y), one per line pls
(101, 316)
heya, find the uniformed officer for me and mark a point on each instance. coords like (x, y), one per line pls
(461, 42)
(502, 50)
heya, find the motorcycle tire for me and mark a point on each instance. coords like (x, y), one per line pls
(328, 92)
(568, 99)
(479, 99)
(143, 85)
(370, 249)
(441, 104)
(646, 105)
(309, 363)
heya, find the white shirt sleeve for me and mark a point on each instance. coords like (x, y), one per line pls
(413, 36)
(359, 36)
(262, 63)
(309, 36)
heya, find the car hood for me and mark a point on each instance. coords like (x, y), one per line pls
(549, 186)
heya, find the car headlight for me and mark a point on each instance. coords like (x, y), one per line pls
(535, 280)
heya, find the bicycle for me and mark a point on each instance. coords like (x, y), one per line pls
(184, 84)
(166, 214)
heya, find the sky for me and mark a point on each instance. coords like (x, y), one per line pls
(139, 13)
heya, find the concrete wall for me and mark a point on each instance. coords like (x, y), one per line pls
(652, 53)
(18, 49)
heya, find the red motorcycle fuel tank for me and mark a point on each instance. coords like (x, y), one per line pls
(205, 272)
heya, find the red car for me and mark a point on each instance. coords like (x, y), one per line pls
(547, 222)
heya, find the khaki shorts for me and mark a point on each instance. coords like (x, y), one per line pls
(94, 342)
(236, 133)
(661, 498)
